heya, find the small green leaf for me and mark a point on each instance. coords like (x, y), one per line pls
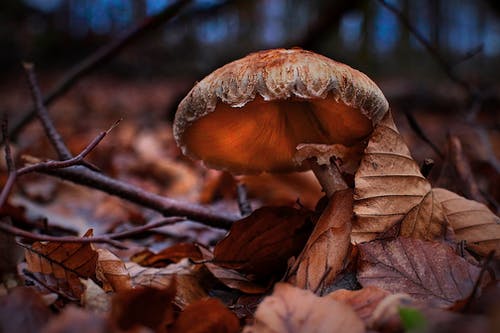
(413, 320)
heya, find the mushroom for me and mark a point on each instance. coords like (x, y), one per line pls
(251, 115)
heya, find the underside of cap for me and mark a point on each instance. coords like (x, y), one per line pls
(249, 115)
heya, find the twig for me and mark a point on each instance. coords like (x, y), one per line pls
(101, 56)
(55, 138)
(421, 133)
(106, 238)
(62, 239)
(447, 68)
(152, 225)
(463, 169)
(11, 169)
(49, 165)
(166, 206)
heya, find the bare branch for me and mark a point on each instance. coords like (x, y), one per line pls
(106, 238)
(101, 56)
(55, 138)
(166, 206)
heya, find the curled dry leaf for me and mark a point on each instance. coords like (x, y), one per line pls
(428, 271)
(206, 316)
(230, 277)
(363, 301)
(261, 243)
(94, 298)
(187, 281)
(150, 307)
(111, 271)
(290, 309)
(471, 221)
(169, 255)
(389, 188)
(61, 265)
(326, 250)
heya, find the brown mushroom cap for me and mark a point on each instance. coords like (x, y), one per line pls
(249, 115)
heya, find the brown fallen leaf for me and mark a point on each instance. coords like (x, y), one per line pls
(169, 255)
(389, 188)
(206, 316)
(150, 307)
(94, 298)
(188, 288)
(290, 309)
(23, 310)
(471, 221)
(62, 265)
(363, 301)
(326, 251)
(230, 277)
(428, 271)
(111, 271)
(261, 243)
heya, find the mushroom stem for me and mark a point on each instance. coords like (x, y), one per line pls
(328, 175)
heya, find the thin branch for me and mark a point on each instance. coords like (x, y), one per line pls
(415, 126)
(11, 169)
(55, 138)
(447, 68)
(10, 229)
(166, 206)
(49, 165)
(105, 238)
(152, 225)
(101, 56)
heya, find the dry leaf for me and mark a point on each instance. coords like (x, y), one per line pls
(62, 264)
(229, 277)
(471, 221)
(206, 316)
(169, 255)
(427, 271)
(188, 285)
(23, 310)
(290, 309)
(94, 298)
(389, 188)
(363, 301)
(150, 307)
(326, 250)
(261, 243)
(111, 271)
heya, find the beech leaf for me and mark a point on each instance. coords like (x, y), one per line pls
(389, 188)
(471, 221)
(426, 270)
(261, 243)
(291, 309)
(206, 316)
(112, 272)
(326, 250)
(363, 301)
(188, 285)
(230, 277)
(62, 265)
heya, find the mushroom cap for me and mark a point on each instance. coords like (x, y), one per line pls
(249, 115)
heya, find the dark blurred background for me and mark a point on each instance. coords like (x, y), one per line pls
(449, 87)
(58, 33)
